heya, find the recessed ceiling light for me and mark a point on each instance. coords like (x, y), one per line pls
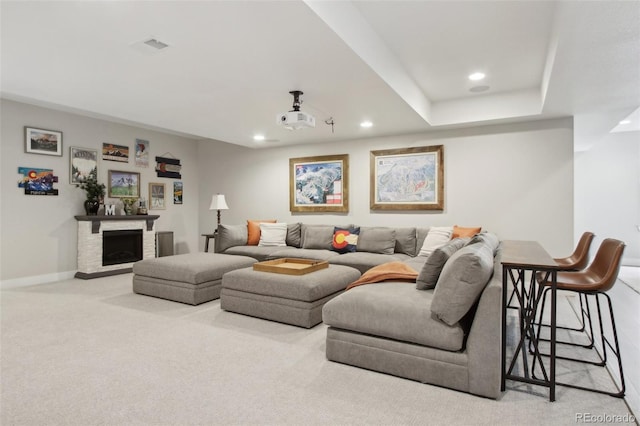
(625, 122)
(476, 76)
(366, 124)
(258, 138)
(478, 89)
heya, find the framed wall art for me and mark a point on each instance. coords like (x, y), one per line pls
(177, 192)
(112, 152)
(142, 153)
(82, 161)
(37, 181)
(319, 184)
(157, 196)
(41, 141)
(124, 184)
(407, 179)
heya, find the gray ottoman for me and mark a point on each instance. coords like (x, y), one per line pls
(192, 278)
(292, 299)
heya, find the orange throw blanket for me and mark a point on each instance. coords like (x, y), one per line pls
(385, 272)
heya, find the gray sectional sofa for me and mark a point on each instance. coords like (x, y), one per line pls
(448, 335)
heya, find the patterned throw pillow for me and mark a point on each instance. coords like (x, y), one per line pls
(345, 240)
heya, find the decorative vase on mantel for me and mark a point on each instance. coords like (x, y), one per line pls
(91, 207)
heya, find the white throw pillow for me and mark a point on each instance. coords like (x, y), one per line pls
(273, 234)
(437, 237)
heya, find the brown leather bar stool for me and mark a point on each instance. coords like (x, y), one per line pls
(595, 281)
(578, 261)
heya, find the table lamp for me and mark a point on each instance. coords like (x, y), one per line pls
(218, 203)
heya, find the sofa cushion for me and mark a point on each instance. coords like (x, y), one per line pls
(437, 237)
(230, 236)
(363, 261)
(257, 252)
(486, 238)
(192, 268)
(394, 310)
(345, 240)
(317, 236)
(406, 241)
(432, 268)
(377, 240)
(294, 234)
(253, 231)
(301, 253)
(463, 278)
(273, 234)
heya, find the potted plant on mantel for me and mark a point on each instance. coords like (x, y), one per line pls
(95, 193)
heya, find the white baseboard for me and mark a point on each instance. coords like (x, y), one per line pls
(36, 279)
(631, 261)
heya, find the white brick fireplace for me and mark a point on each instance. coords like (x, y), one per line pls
(90, 242)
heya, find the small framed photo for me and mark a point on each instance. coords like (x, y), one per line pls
(41, 141)
(157, 196)
(124, 184)
(82, 161)
(177, 192)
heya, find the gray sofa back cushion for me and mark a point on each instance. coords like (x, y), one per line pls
(230, 236)
(461, 282)
(486, 238)
(421, 235)
(432, 268)
(377, 240)
(406, 241)
(317, 236)
(294, 234)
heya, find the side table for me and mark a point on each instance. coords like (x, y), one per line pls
(206, 241)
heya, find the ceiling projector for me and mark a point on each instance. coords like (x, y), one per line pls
(296, 119)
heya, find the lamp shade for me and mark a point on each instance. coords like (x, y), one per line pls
(218, 203)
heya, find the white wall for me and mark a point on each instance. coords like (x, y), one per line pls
(607, 192)
(515, 180)
(39, 233)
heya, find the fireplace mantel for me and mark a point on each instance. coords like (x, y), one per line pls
(97, 219)
(90, 242)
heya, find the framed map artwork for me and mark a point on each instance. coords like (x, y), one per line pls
(319, 184)
(407, 179)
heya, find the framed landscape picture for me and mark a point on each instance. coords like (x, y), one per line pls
(319, 184)
(124, 184)
(157, 196)
(41, 141)
(82, 161)
(407, 179)
(112, 152)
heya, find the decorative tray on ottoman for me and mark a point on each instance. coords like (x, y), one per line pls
(291, 266)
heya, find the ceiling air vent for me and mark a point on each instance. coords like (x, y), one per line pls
(156, 44)
(149, 45)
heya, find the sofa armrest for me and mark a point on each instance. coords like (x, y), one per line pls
(484, 344)
(230, 236)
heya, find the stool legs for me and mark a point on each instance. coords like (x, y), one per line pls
(614, 346)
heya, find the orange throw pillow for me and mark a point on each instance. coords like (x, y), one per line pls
(460, 232)
(253, 229)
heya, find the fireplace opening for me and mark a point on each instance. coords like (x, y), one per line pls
(121, 247)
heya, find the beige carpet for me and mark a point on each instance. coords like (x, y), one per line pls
(93, 353)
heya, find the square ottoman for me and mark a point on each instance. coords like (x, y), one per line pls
(291, 299)
(192, 278)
